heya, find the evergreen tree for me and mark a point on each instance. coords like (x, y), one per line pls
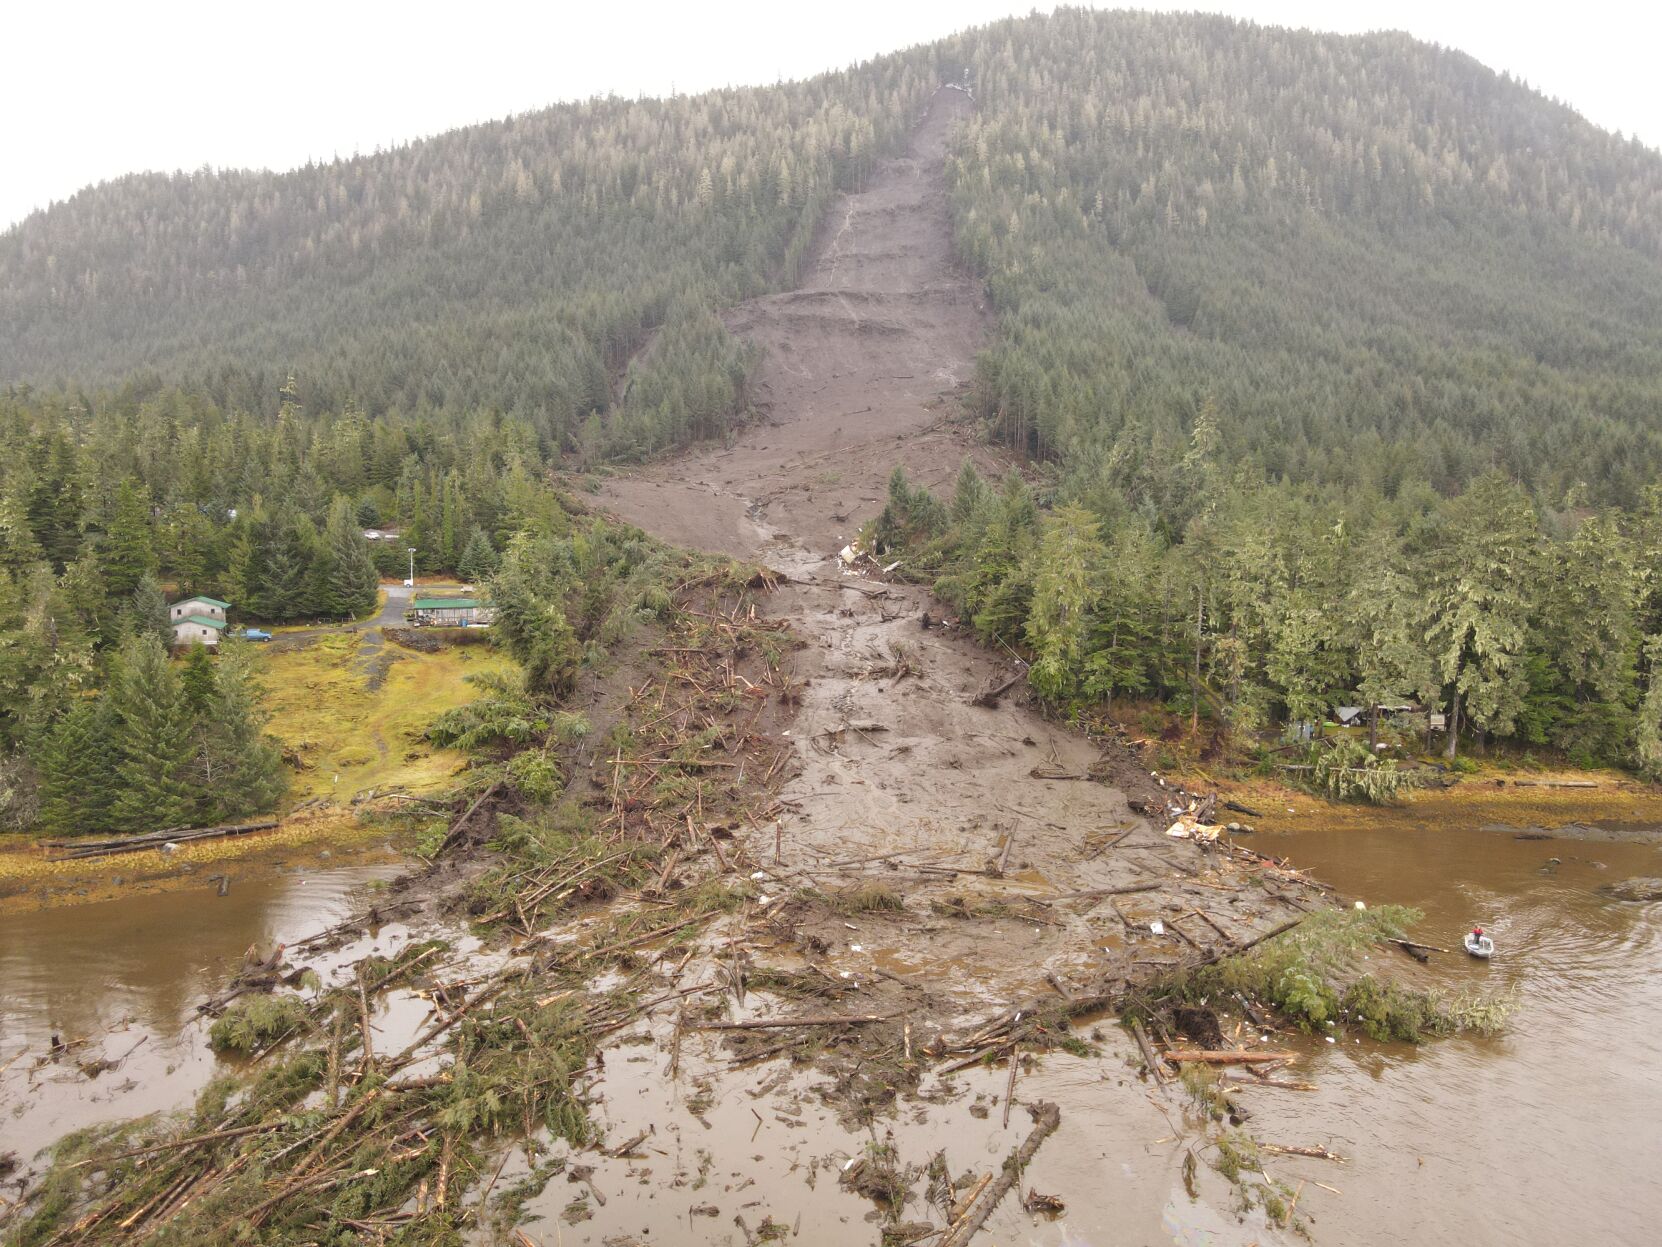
(1647, 743)
(349, 584)
(531, 621)
(77, 771)
(18, 547)
(1069, 562)
(1481, 565)
(235, 768)
(147, 612)
(479, 559)
(970, 495)
(197, 680)
(152, 733)
(128, 553)
(1384, 621)
(55, 501)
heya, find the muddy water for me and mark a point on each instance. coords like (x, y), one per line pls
(125, 976)
(1549, 1134)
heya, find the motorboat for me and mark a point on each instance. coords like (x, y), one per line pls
(1479, 945)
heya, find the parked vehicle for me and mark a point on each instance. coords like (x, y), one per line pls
(254, 634)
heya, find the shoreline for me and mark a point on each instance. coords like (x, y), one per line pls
(316, 838)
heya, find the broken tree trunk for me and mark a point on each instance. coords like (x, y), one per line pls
(988, 698)
(1046, 1118)
(455, 831)
(1186, 1056)
(152, 840)
(858, 1019)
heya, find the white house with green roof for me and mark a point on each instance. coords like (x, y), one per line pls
(198, 621)
(447, 612)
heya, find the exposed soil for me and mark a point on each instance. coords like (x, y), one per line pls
(858, 367)
(970, 862)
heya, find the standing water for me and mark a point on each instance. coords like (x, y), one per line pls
(1546, 1134)
(119, 981)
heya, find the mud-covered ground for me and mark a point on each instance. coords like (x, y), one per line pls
(1019, 874)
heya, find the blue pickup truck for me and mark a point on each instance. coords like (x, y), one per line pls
(254, 634)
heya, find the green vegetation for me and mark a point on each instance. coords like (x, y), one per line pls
(1270, 608)
(161, 746)
(326, 1138)
(1346, 770)
(341, 711)
(256, 1022)
(561, 268)
(1311, 975)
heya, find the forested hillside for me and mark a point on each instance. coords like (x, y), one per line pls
(1383, 263)
(1327, 354)
(515, 266)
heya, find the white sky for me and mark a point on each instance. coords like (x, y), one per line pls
(91, 91)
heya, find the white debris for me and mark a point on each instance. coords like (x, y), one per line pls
(1158, 927)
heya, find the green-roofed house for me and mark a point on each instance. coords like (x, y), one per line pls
(438, 612)
(198, 621)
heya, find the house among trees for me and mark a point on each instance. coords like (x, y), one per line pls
(447, 613)
(198, 621)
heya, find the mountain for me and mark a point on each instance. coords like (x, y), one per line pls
(1384, 265)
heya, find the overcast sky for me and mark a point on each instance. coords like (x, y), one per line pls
(91, 91)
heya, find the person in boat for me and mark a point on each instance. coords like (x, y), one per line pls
(1477, 936)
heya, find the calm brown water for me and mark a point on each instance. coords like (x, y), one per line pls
(126, 975)
(1550, 1134)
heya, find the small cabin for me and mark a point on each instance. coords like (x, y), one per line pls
(198, 621)
(447, 612)
(208, 608)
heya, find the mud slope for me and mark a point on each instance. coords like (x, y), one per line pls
(854, 365)
(906, 784)
(895, 755)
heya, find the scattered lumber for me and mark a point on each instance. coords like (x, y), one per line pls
(1156, 1070)
(455, 831)
(1264, 1080)
(1098, 893)
(1250, 944)
(1554, 783)
(151, 840)
(1416, 950)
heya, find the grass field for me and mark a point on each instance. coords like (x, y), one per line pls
(356, 714)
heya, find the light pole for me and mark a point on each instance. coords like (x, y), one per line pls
(412, 564)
